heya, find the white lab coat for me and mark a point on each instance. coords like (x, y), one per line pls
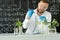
(33, 27)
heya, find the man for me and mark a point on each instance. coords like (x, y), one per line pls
(38, 20)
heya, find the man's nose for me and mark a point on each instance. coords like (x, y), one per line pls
(42, 8)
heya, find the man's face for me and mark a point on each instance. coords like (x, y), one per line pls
(42, 6)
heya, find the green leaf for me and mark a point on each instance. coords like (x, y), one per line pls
(55, 23)
(18, 23)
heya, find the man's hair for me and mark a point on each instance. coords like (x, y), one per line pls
(46, 1)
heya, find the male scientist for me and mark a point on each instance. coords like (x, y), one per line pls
(37, 20)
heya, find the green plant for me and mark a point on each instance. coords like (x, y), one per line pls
(18, 23)
(54, 23)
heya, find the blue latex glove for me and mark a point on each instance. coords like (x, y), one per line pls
(30, 12)
(42, 18)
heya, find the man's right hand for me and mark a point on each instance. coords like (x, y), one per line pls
(30, 12)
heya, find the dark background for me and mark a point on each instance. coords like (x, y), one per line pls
(11, 10)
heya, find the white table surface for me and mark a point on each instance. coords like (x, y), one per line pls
(30, 37)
